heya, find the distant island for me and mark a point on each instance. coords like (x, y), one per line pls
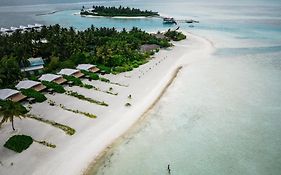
(117, 11)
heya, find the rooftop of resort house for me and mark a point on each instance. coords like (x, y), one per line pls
(6, 30)
(68, 71)
(49, 77)
(25, 27)
(160, 35)
(148, 47)
(6, 93)
(27, 84)
(87, 67)
(15, 28)
(34, 64)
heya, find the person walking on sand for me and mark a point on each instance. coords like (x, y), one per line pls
(169, 170)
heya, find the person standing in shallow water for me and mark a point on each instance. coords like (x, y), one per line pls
(169, 170)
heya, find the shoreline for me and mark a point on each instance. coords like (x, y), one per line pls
(74, 154)
(99, 160)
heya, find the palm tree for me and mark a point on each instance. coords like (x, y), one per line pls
(9, 110)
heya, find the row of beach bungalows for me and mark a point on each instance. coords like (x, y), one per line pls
(16, 95)
(29, 27)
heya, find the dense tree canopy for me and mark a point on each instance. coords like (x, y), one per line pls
(105, 47)
(117, 11)
(9, 110)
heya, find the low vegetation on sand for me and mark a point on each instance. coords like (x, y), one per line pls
(91, 75)
(18, 143)
(31, 93)
(82, 97)
(77, 82)
(68, 130)
(54, 86)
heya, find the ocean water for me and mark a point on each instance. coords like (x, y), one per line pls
(222, 115)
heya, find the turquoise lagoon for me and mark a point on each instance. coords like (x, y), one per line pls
(221, 115)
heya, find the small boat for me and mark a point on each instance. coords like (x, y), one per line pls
(169, 21)
(191, 21)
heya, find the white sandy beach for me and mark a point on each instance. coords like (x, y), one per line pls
(73, 154)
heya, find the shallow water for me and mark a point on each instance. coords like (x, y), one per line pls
(222, 115)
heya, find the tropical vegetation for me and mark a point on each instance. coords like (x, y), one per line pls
(54, 86)
(18, 143)
(116, 11)
(68, 130)
(109, 49)
(31, 93)
(174, 35)
(9, 110)
(82, 97)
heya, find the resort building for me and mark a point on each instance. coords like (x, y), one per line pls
(160, 36)
(25, 28)
(71, 72)
(14, 29)
(37, 26)
(35, 64)
(52, 78)
(88, 67)
(27, 84)
(5, 31)
(149, 47)
(11, 94)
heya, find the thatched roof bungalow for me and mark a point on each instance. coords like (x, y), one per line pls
(149, 47)
(88, 67)
(28, 84)
(52, 78)
(11, 94)
(71, 72)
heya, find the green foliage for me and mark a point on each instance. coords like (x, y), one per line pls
(31, 93)
(117, 11)
(105, 69)
(9, 110)
(76, 81)
(53, 64)
(175, 35)
(82, 97)
(92, 76)
(68, 130)
(33, 78)
(9, 71)
(88, 86)
(78, 112)
(45, 143)
(104, 79)
(56, 87)
(105, 47)
(18, 143)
